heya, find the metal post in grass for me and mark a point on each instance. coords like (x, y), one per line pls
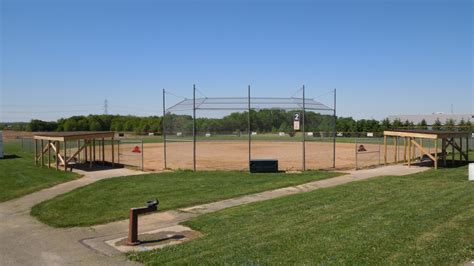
(164, 128)
(143, 168)
(303, 132)
(334, 133)
(194, 127)
(248, 127)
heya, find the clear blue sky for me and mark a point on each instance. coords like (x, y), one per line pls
(61, 58)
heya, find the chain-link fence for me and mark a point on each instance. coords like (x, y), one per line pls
(130, 153)
(226, 133)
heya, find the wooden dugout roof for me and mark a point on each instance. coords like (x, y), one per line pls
(74, 135)
(426, 134)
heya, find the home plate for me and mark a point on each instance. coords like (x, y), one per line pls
(156, 239)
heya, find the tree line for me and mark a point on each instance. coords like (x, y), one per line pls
(262, 121)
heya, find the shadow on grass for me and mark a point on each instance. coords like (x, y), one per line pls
(10, 156)
(96, 166)
(449, 163)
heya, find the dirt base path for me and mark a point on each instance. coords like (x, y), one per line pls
(26, 241)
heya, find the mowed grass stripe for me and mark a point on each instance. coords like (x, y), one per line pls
(425, 218)
(110, 200)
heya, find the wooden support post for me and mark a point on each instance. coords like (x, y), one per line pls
(436, 154)
(49, 153)
(78, 154)
(65, 155)
(385, 149)
(36, 152)
(460, 147)
(103, 151)
(57, 146)
(467, 149)
(93, 145)
(42, 151)
(443, 151)
(409, 151)
(413, 151)
(405, 149)
(85, 151)
(395, 149)
(452, 152)
(113, 153)
(90, 154)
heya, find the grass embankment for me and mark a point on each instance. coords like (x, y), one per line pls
(110, 200)
(425, 218)
(19, 175)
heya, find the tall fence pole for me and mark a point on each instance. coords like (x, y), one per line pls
(303, 132)
(194, 127)
(356, 152)
(248, 127)
(164, 128)
(334, 134)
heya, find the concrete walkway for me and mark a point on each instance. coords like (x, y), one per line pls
(28, 242)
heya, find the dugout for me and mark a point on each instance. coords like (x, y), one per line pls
(410, 144)
(87, 145)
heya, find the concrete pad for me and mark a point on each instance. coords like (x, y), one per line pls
(156, 239)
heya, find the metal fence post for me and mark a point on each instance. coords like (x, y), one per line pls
(164, 128)
(356, 152)
(248, 127)
(303, 132)
(334, 133)
(194, 127)
(143, 168)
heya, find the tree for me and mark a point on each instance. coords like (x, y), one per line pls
(437, 124)
(422, 124)
(450, 124)
(397, 124)
(385, 125)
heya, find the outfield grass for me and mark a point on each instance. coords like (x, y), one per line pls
(260, 137)
(19, 175)
(110, 200)
(425, 218)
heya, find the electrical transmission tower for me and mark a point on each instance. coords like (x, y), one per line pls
(106, 103)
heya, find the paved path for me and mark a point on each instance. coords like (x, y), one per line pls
(26, 241)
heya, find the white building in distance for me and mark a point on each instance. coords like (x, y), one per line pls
(431, 118)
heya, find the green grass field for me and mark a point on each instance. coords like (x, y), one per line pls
(425, 218)
(174, 190)
(19, 175)
(260, 137)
